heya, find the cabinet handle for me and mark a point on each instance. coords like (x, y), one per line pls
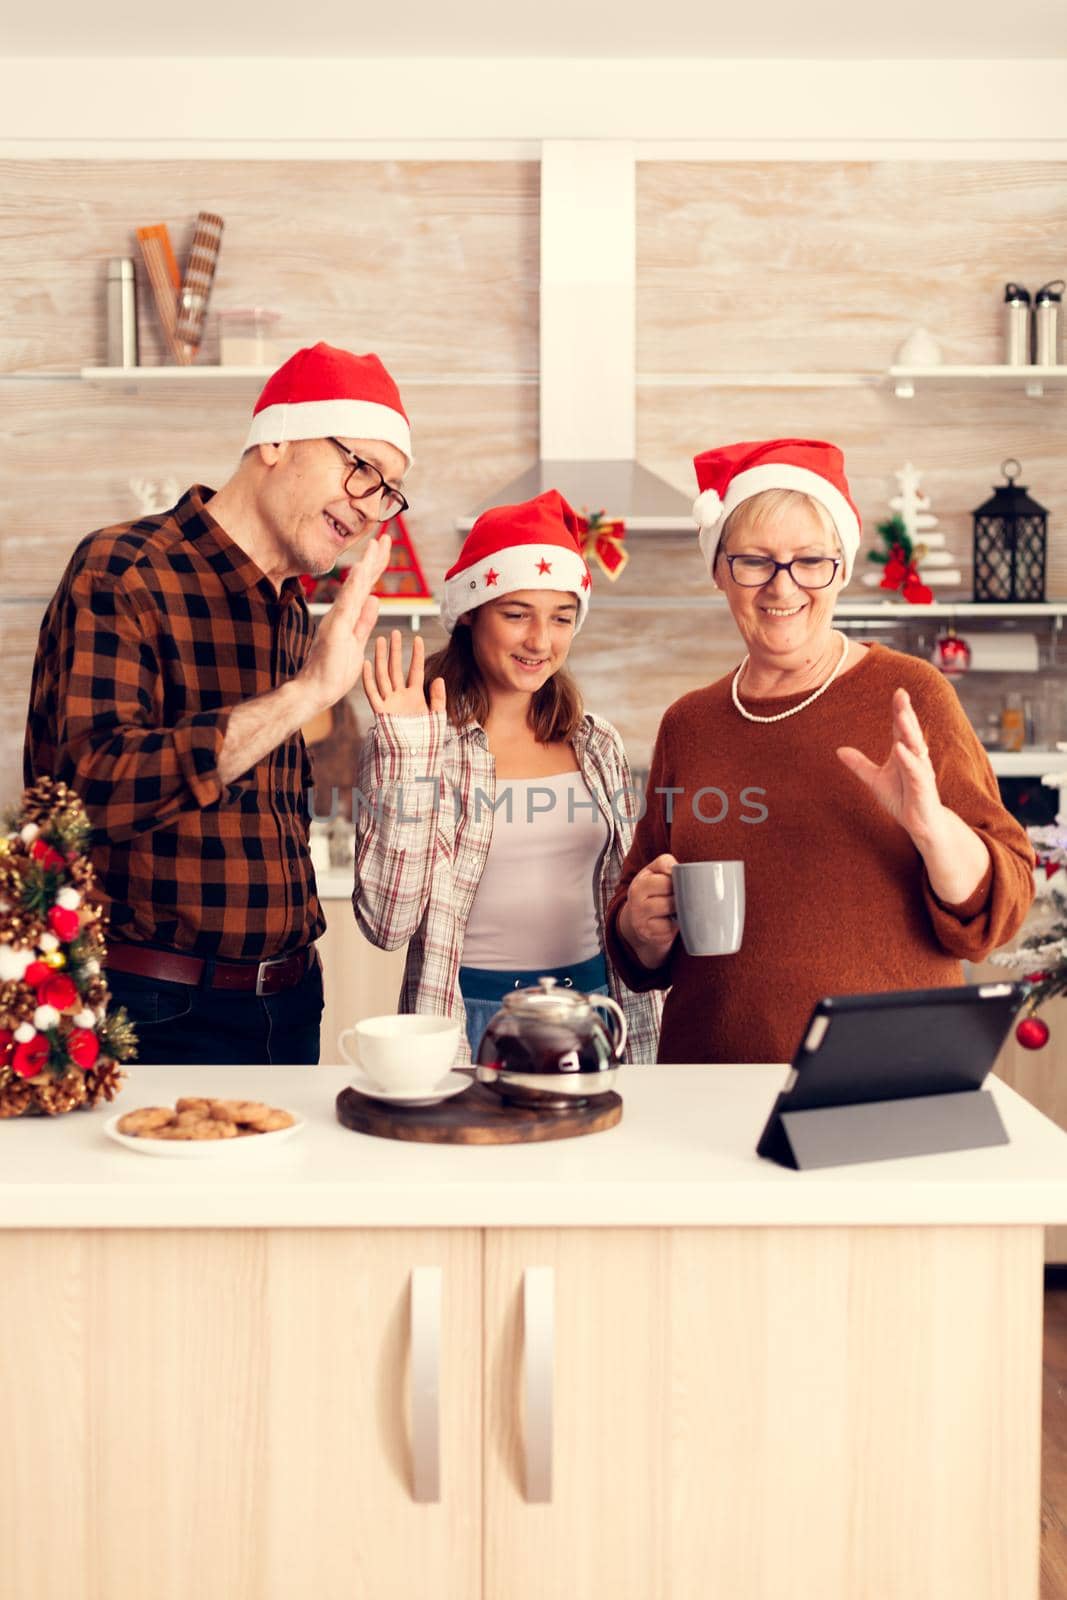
(426, 1383)
(539, 1339)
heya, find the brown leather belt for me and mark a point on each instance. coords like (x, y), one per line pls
(172, 966)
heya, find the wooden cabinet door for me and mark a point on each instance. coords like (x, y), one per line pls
(358, 979)
(824, 1414)
(228, 1416)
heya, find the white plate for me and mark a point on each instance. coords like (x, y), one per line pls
(198, 1149)
(455, 1083)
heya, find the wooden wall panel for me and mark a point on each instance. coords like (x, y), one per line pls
(742, 268)
(826, 266)
(431, 264)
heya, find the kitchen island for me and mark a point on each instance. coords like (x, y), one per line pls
(643, 1365)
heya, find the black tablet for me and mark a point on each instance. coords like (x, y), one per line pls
(859, 1048)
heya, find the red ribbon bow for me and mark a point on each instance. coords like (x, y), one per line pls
(903, 574)
(602, 540)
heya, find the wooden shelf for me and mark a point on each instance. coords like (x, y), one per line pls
(1032, 380)
(1027, 763)
(887, 611)
(393, 608)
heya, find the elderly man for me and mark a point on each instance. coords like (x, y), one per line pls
(175, 668)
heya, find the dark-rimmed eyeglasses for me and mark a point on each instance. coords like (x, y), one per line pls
(807, 572)
(364, 480)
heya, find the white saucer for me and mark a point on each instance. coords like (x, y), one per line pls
(455, 1083)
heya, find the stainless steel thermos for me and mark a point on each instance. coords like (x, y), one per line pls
(1016, 325)
(121, 313)
(1048, 305)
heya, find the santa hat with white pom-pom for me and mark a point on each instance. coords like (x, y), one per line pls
(734, 473)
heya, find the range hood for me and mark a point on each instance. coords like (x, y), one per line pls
(587, 346)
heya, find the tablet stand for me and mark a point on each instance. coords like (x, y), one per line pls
(885, 1130)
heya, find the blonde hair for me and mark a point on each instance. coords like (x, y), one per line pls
(760, 508)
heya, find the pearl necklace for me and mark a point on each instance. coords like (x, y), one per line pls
(780, 716)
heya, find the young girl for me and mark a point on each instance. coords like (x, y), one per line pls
(494, 814)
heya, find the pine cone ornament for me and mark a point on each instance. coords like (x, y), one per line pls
(15, 1096)
(104, 1082)
(17, 1004)
(61, 1095)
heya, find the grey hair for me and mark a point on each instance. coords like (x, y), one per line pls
(758, 508)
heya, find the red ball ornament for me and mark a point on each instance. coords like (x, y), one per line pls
(30, 1058)
(952, 655)
(63, 923)
(83, 1047)
(58, 991)
(44, 853)
(1032, 1033)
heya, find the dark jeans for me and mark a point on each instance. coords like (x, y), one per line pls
(182, 1026)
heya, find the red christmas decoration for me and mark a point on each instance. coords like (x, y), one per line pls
(63, 923)
(1032, 1033)
(58, 991)
(31, 1057)
(48, 858)
(403, 578)
(83, 1047)
(602, 538)
(951, 654)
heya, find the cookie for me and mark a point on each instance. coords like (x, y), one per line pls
(145, 1120)
(205, 1128)
(275, 1121)
(250, 1112)
(194, 1103)
(192, 1114)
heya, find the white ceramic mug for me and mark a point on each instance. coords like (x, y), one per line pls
(709, 901)
(405, 1054)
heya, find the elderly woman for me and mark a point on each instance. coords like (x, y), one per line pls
(846, 778)
(504, 812)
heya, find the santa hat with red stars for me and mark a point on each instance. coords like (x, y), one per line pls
(536, 545)
(322, 393)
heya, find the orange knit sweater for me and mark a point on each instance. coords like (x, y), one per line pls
(838, 901)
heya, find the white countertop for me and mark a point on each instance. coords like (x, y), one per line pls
(683, 1155)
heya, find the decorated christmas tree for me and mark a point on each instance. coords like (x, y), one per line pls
(1044, 950)
(914, 558)
(60, 1048)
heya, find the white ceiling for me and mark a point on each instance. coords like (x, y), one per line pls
(678, 29)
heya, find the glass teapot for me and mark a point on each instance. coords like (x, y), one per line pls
(548, 1046)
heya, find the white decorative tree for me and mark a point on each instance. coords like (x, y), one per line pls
(912, 506)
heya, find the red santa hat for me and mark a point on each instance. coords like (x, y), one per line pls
(736, 472)
(536, 545)
(322, 392)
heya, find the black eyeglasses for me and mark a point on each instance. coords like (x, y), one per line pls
(807, 572)
(368, 481)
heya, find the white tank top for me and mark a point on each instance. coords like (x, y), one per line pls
(534, 907)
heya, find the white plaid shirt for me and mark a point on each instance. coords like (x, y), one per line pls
(424, 824)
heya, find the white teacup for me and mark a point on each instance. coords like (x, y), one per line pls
(406, 1054)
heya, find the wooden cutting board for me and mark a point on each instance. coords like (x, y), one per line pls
(477, 1116)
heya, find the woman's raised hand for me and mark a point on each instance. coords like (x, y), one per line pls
(905, 784)
(388, 692)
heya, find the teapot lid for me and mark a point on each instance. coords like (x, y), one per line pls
(546, 1002)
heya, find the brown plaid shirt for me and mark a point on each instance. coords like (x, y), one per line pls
(158, 629)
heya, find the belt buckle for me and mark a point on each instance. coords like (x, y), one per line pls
(261, 971)
(274, 961)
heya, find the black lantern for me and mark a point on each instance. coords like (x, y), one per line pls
(1010, 532)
